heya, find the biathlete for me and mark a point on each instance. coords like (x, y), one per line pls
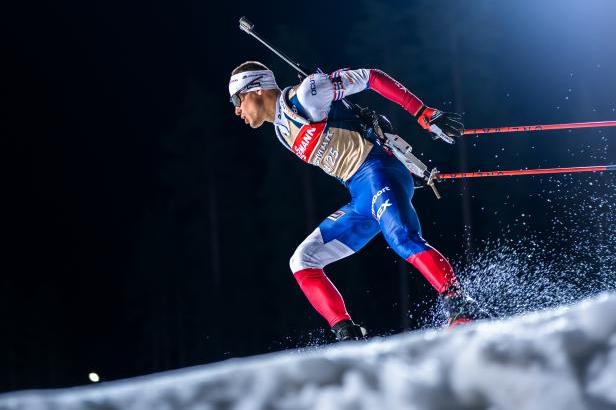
(311, 122)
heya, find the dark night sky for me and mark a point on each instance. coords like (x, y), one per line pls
(145, 228)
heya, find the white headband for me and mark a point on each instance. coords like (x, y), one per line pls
(252, 81)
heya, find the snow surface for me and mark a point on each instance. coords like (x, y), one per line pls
(562, 358)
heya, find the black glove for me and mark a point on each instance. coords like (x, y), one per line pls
(443, 125)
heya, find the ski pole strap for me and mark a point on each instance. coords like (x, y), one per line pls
(537, 171)
(528, 128)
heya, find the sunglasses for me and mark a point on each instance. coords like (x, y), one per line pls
(235, 98)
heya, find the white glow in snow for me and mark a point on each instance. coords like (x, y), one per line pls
(564, 358)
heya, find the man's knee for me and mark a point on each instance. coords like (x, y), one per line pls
(406, 243)
(304, 255)
(314, 253)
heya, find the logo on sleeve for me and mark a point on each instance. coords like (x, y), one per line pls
(313, 85)
(348, 77)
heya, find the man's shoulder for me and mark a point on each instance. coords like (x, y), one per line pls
(315, 94)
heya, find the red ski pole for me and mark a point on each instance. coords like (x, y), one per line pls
(525, 128)
(536, 171)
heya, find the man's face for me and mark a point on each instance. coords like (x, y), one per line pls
(251, 108)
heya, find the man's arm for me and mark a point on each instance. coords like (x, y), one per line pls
(318, 91)
(442, 124)
(394, 91)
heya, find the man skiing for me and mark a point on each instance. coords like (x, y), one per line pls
(311, 121)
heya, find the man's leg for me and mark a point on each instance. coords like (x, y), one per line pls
(341, 234)
(402, 231)
(392, 208)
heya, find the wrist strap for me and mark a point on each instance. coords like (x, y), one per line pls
(421, 110)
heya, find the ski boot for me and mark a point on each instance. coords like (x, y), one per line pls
(461, 308)
(347, 330)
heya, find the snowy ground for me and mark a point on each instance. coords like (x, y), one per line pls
(563, 358)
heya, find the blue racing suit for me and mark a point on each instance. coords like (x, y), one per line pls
(311, 122)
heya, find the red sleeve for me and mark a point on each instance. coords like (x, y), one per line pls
(394, 91)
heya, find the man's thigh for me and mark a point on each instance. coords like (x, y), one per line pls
(341, 234)
(347, 226)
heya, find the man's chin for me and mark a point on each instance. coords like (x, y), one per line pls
(255, 124)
